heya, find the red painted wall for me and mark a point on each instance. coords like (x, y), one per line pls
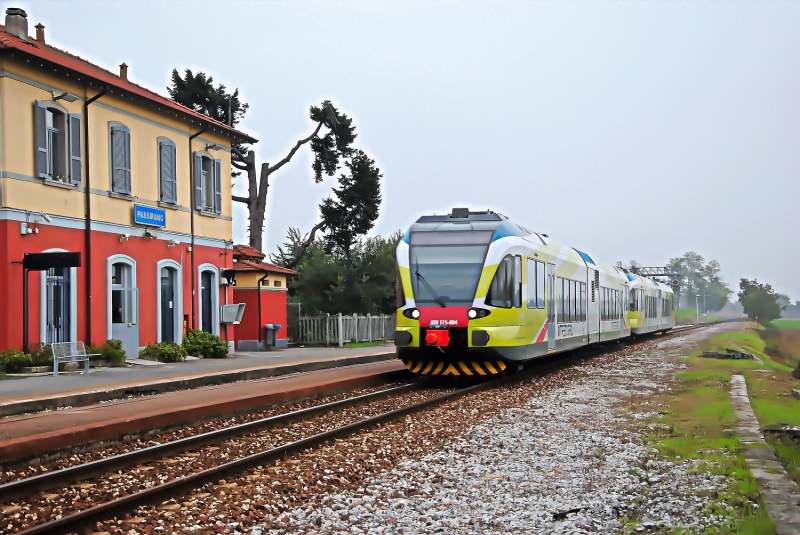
(146, 252)
(273, 310)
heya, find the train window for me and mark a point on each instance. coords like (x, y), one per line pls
(583, 301)
(531, 286)
(518, 281)
(501, 290)
(575, 300)
(540, 274)
(560, 300)
(632, 300)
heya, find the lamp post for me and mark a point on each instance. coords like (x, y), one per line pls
(697, 306)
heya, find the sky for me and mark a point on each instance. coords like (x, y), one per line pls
(630, 130)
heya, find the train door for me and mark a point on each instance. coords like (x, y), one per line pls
(660, 309)
(593, 316)
(551, 307)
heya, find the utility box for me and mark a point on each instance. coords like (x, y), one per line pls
(232, 313)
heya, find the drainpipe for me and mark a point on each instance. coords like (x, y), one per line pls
(258, 295)
(88, 223)
(191, 211)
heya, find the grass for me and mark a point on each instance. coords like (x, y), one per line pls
(686, 316)
(698, 422)
(785, 324)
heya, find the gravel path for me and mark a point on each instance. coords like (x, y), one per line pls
(566, 461)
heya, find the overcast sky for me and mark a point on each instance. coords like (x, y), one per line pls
(631, 130)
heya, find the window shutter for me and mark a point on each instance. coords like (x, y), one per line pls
(40, 134)
(198, 181)
(75, 153)
(127, 162)
(167, 157)
(218, 186)
(120, 159)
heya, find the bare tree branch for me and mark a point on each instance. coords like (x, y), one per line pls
(238, 166)
(292, 152)
(238, 154)
(236, 198)
(305, 245)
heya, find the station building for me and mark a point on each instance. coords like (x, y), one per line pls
(137, 184)
(261, 287)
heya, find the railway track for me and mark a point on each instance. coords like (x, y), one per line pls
(116, 508)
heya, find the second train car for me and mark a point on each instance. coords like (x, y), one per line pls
(477, 294)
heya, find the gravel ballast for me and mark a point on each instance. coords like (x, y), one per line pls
(561, 453)
(566, 461)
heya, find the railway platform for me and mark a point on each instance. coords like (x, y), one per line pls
(46, 392)
(31, 435)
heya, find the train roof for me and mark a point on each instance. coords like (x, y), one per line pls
(461, 219)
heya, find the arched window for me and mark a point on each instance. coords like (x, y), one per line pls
(208, 298)
(169, 301)
(58, 143)
(123, 303)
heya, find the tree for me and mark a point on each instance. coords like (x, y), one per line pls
(362, 282)
(197, 91)
(698, 277)
(760, 301)
(331, 142)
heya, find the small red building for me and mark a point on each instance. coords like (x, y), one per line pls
(261, 286)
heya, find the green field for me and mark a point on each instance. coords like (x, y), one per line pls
(785, 324)
(686, 316)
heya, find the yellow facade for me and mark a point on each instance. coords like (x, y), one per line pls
(249, 279)
(21, 84)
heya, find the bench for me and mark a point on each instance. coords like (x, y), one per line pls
(70, 352)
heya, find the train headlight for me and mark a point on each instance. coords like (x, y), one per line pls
(412, 313)
(474, 313)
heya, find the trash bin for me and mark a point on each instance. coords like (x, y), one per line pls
(270, 333)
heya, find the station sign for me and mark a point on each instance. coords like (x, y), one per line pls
(147, 215)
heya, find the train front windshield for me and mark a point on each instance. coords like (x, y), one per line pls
(445, 266)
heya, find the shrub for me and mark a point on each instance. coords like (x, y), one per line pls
(14, 361)
(41, 354)
(200, 343)
(165, 352)
(111, 350)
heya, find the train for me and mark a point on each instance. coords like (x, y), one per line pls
(479, 295)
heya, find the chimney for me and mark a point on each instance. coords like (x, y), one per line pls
(123, 71)
(40, 33)
(17, 23)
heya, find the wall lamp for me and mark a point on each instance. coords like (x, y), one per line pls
(214, 146)
(172, 243)
(66, 97)
(124, 237)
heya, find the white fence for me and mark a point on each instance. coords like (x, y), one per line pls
(339, 329)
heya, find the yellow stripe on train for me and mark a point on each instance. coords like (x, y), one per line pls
(431, 367)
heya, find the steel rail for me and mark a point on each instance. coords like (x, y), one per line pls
(49, 480)
(87, 518)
